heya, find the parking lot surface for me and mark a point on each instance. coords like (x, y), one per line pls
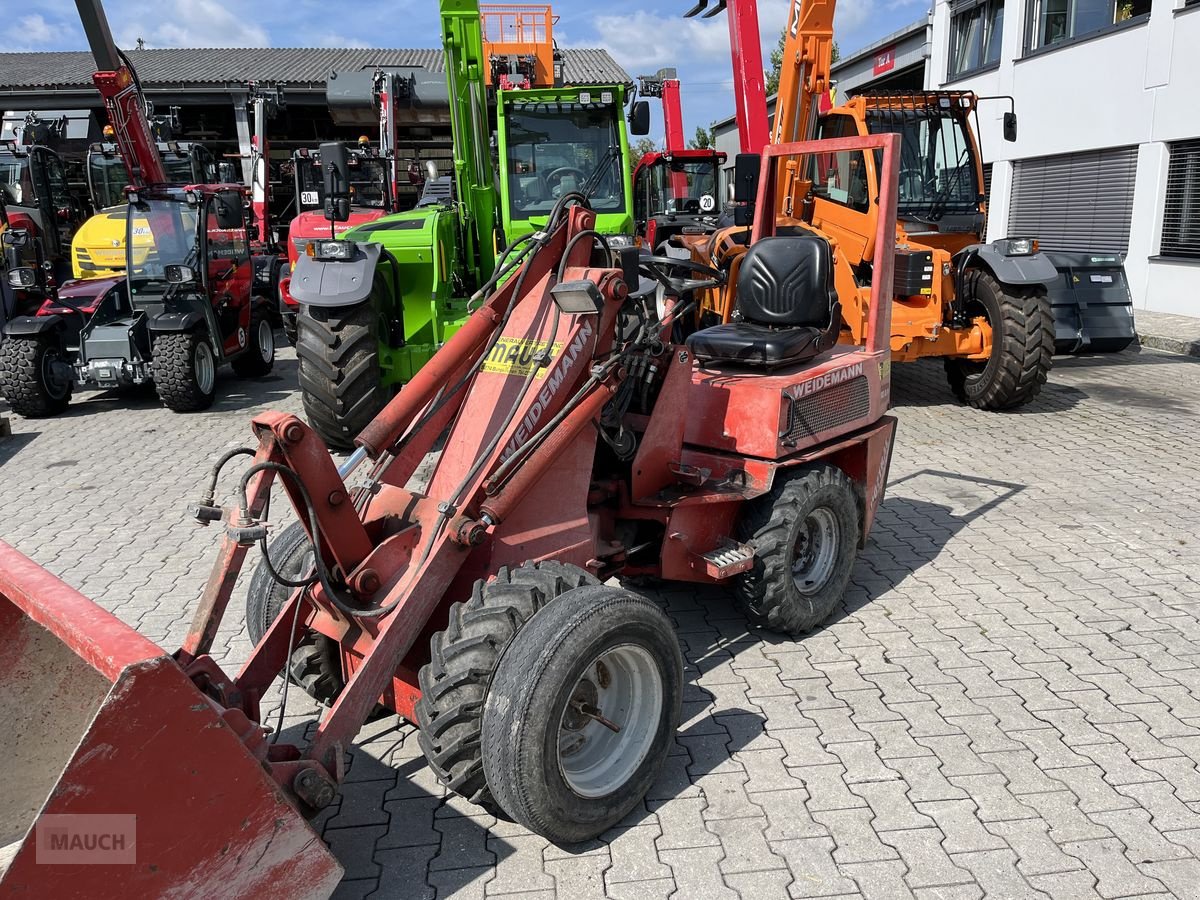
(1007, 704)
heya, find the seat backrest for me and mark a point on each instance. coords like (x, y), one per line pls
(787, 281)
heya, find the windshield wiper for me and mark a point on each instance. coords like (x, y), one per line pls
(593, 180)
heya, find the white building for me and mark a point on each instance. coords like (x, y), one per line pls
(1107, 156)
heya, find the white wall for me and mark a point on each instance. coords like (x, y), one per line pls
(1136, 86)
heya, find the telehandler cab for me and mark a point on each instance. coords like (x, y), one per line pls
(753, 456)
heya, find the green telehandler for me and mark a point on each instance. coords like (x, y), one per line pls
(378, 301)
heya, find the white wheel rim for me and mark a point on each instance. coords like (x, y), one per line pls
(266, 341)
(816, 550)
(623, 686)
(206, 368)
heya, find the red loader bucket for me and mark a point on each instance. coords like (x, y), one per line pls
(121, 777)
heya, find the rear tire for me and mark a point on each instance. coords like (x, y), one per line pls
(185, 371)
(259, 356)
(1022, 323)
(454, 683)
(805, 536)
(340, 383)
(28, 378)
(315, 664)
(598, 654)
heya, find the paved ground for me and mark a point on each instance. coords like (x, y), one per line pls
(1006, 705)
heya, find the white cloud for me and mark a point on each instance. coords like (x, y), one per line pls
(190, 23)
(35, 30)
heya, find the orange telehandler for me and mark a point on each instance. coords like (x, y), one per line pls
(980, 306)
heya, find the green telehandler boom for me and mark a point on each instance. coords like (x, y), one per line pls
(376, 303)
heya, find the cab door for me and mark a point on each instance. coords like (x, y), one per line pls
(62, 211)
(228, 268)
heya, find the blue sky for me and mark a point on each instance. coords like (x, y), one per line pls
(642, 36)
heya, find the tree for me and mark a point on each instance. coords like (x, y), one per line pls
(704, 139)
(641, 148)
(777, 62)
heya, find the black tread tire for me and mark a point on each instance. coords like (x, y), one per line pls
(315, 663)
(454, 683)
(771, 524)
(173, 367)
(22, 376)
(340, 383)
(530, 691)
(289, 328)
(251, 363)
(1022, 324)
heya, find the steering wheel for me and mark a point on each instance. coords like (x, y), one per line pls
(659, 268)
(555, 176)
(910, 177)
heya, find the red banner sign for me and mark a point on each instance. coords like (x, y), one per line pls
(885, 60)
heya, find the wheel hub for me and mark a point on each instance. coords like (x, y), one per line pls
(815, 551)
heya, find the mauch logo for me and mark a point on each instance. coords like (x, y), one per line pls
(86, 840)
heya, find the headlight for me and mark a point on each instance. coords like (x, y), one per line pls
(22, 278)
(1017, 246)
(342, 250)
(617, 241)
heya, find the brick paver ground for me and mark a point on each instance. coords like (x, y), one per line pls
(1008, 703)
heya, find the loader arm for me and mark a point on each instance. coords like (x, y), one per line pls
(122, 98)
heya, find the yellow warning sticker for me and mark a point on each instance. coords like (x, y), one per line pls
(519, 356)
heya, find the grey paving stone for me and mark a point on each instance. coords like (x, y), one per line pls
(634, 857)
(814, 873)
(926, 861)
(769, 885)
(855, 839)
(579, 877)
(996, 872)
(697, 873)
(1115, 875)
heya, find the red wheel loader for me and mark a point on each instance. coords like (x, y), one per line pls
(577, 442)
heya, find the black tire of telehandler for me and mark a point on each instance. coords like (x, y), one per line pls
(174, 367)
(772, 524)
(315, 663)
(1022, 323)
(338, 350)
(454, 683)
(289, 329)
(529, 698)
(257, 360)
(24, 378)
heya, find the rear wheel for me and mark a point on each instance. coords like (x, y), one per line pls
(340, 383)
(35, 377)
(185, 371)
(259, 356)
(581, 712)
(804, 535)
(454, 683)
(1022, 325)
(315, 663)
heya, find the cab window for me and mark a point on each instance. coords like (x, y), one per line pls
(840, 177)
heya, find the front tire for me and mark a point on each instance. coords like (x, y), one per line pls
(185, 371)
(1022, 324)
(582, 712)
(454, 683)
(31, 376)
(805, 534)
(259, 356)
(340, 380)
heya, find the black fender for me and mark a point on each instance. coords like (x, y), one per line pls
(32, 326)
(1033, 268)
(175, 322)
(335, 282)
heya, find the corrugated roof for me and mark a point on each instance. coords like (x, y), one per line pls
(237, 65)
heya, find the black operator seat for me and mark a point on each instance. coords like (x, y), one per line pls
(788, 307)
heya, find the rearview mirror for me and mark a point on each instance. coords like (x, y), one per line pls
(746, 169)
(335, 169)
(179, 274)
(1010, 126)
(17, 238)
(639, 118)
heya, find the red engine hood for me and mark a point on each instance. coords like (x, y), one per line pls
(85, 293)
(313, 224)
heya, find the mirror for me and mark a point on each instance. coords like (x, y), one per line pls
(17, 238)
(335, 169)
(639, 118)
(1010, 126)
(179, 274)
(746, 168)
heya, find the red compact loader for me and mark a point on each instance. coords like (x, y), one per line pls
(577, 442)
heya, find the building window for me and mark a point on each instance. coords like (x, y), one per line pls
(1056, 21)
(976, 27)
(1181, 211)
